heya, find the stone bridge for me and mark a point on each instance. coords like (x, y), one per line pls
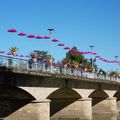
(30, 95)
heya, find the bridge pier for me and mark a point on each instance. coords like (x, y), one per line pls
(108, 105)
(35, 110)
(118, 105)
(80, 109)
(41, 109)
(85, 108)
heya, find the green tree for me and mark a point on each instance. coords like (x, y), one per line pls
(78, 60)
(74, 57)
(13, 50)
(43, 54)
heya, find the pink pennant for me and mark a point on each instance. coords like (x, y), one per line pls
(73, 50)
(60, 44)
(94, 53)
(31, 36)
(2, 51)
(46, 37)
(21, 34)
(21, 55)
(12, 30)
(66, 48)
(9, 53)
(54, 40)
(39, 37)
(28, 56)
(97, 56)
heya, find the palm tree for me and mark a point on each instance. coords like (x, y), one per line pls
(13, 50)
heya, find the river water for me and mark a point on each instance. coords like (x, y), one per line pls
(103, 116)
(106, 116)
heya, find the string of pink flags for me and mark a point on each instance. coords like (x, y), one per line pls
(58, 44)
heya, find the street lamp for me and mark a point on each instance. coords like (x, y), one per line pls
(51, 30)
(116, 57)
(91, 46)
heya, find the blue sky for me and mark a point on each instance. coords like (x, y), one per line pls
(78, 23)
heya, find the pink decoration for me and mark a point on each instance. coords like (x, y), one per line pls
(39, 37)
(31, 36)
(21, 55)
(39, 58)
(46, 37)
(85, 53)
(66, 48)
(78, 52)
(111, 61)
(9, 53)
(105, 60)
(89, 52)
(81, 52)
(117, 61)
(73, 50)
(2, 51)
(101, 58)
(21, 34)
(45, 60)
(28, 56)
(60, 44)
(12, 30)
(54, 40)
(94, 53)
(108, 61)
(97, 56)
(16, 55)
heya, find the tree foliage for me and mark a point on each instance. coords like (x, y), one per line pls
(43, 54)
(78, 60)
(74, 57)
(13, 50)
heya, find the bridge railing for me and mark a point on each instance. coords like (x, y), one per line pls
(13, 62)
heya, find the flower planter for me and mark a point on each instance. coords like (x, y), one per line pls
(34, 59)
(13, 53)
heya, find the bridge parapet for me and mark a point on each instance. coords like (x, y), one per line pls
(42, 67)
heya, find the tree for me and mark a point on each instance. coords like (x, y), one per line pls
(13, 50)
(113, 74)
(74, 57)
(102, 72)
(43, 55)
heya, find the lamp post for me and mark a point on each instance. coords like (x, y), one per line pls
(116, 58)
(91, 46)
(50, 30)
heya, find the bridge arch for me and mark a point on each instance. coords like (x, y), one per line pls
(117, 95)
(62, 100)
(98, 96)
(100, 101)
(12, 98)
